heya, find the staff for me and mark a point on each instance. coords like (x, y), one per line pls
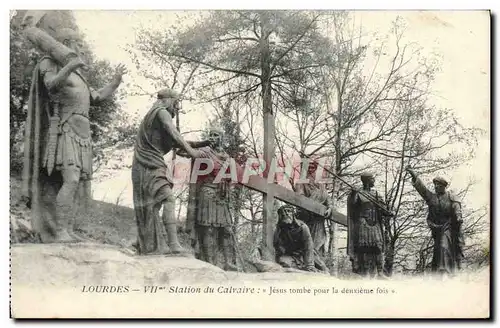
(370, 197)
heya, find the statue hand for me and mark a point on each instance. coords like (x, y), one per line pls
(328, 212)
(120, 71)
(199, 154)
(76, 63)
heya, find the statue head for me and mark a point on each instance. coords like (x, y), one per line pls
(313, 166)
(286, 214)
(440, 185)
(368, 179)
(215, 135)
(170, 99)
(71, 39)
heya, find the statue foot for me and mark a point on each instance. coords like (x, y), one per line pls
(230, 267)
(80, 238)
(63, 236)
(382, 276)
(176, 248)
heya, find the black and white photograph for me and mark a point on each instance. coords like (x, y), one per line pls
(272, 164)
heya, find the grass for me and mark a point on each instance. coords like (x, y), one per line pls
(104, 222)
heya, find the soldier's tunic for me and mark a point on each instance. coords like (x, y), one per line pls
(444, 220)
(212, 203)
(152, 183)
(208, 210)
(365, 232)
(72, 104)
(57, 136)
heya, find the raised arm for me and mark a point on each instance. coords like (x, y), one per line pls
(419, 185)
(54, 78)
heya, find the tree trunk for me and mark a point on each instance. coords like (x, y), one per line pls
(269, 131)
(389, 258)
(332, 247)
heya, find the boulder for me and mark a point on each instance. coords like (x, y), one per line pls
(81, 264)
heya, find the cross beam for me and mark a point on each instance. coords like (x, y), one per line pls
(260, 184)
(288, 196)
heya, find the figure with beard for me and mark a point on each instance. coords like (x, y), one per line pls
(293, 244)
(445, 222)
(208, 218)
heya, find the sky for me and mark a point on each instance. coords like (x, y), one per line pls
(460, 38)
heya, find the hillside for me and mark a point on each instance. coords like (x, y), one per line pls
(105, 223)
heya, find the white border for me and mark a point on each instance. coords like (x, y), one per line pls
(190, 4)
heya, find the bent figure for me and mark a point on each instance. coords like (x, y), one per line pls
(445, 221)
(209, 220)
(151, 178)
(365, 229)
(58, 145)
(293, 244)
(315, 222)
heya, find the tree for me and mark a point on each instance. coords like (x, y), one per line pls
(371, 108)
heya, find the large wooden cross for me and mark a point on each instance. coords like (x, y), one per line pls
(288, 196)
(261, 184)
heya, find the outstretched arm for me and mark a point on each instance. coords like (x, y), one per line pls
(419, 185)
(194, 144)
(199, 144)
(168, 125)
(106, 92)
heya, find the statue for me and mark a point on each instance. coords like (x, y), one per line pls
(293, 244)
(316, 223)
(58, 145)
(209, 220)
(365, 229)
(151, 178)
(445, 222)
